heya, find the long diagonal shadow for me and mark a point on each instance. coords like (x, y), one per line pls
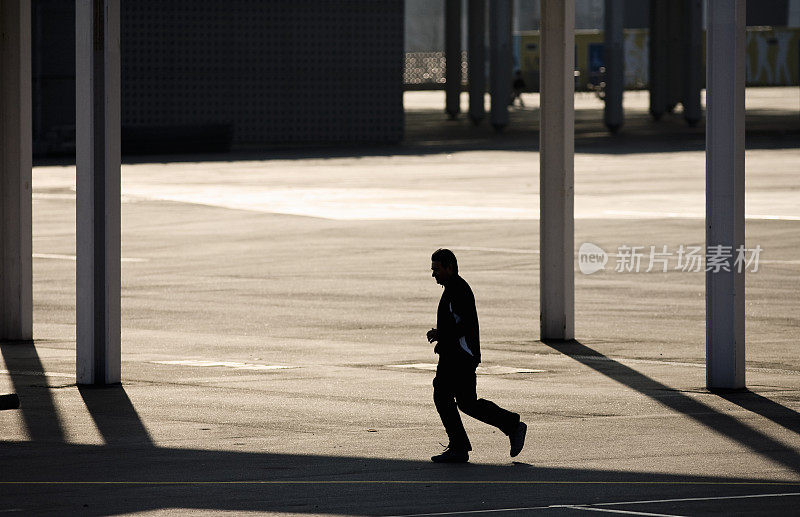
(715, 420)
(769, 409)
(31, 384)
(130, 473)
(114, 415)
(109, 406)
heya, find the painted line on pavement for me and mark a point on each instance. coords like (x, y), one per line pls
(37, 374)
(469, 512)
(689, 215)
(523, 251)
(690, 499)
(593, 506)
(421, 482)
(607, 510)
(495, 250)
(481, 370)
(226, 364)
(56, 256)
(53, 195)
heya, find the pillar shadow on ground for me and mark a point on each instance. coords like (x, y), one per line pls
(109, 406)
(114, 415)
(129, 473)
(724, 424)
(30, 383)
(769, 409)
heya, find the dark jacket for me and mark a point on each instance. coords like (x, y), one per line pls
(457, 322)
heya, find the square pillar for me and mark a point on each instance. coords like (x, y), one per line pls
(556, 164)
(16, 277)
(692, 60)
(658, 56)
(452, 56)
(502, 61)
(614, 60)
(725, 79)
(476, 58)
(97, 63)
(675, 34)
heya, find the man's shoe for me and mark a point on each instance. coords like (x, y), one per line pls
(451, 456)
(518, 438)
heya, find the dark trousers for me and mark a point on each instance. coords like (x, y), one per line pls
(454, 389)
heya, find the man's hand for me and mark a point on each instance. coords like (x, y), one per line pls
(433, 335)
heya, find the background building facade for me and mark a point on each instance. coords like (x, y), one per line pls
(208, 74)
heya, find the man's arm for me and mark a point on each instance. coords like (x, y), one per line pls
(464, 314)
(465, 317)
(432, 335)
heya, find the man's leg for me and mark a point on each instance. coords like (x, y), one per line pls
(444, 398)
(490, 413)
(481, 409)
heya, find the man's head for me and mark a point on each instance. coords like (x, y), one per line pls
(444, 265)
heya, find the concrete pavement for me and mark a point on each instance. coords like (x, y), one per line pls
(268, 301)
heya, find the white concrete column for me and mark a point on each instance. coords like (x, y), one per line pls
(476, 58)
(97, 65)
(556, 157)
(614, 58)
(692, 61)
(16, 278)
(725, 80)
(452, 56)
(502, 61)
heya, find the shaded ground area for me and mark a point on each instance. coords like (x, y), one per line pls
(261, 342)
(773, 121)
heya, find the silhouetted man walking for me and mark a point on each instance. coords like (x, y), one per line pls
(458, 346)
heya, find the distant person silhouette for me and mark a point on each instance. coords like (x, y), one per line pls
(518, 85)
(458, 345)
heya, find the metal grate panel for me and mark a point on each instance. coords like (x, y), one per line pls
(276, 72)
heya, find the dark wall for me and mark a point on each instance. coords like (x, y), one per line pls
(279, 71)
(767, 12)
(257, 72)
(758, 12)
(637, 14)
(53, 75)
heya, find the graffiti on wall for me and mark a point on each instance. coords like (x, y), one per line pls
(589, 58)
(773, 57)
(637, 63)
